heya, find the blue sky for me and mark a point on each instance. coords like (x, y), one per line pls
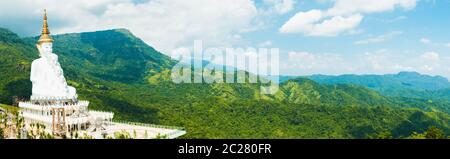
(404, 39)
(426, 20)
(314, 36)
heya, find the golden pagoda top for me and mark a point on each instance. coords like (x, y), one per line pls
(45, 35)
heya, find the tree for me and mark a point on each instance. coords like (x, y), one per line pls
(381, 135)
(416, 135)
(20, 123)
(122, 135)
(37, 131)
(86, 136)
(2, 119)
(1, 134)
(159, 136)
(434, 133)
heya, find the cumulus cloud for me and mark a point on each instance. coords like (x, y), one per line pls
(347, 14)
(164, 24)
(379, 39)
(302, 21)
(329, 27)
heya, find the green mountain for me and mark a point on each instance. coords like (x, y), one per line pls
(384, 83)
(403, 86)
(117, 72)
(390, 84)
(302, 90)
(15, 64)
(402, 80)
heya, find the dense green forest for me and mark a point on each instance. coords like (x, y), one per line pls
(402, 84)
(118, 72)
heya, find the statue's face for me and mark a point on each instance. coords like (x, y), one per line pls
(47, 48)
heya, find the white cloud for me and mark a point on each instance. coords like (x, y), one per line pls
(336, 25)
(347, 14)
(432, 43)
(281, 6)
(399, 18)
(378, 39)
(308, 23)
(346, 7)
(302, 21)
(431, 62)
(430, 56)
(425, 40)
(164, 24)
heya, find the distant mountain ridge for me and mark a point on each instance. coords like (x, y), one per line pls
(410, 84)
(402, 80)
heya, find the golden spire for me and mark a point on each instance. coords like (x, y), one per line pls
(45, 35)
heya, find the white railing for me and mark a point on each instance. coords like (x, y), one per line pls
(49, 119)
(77, 120)
(149, 125)
(30, 105)
(102, 114)
(153, 131)
(176, 134)
(33, 97)
(32, 116)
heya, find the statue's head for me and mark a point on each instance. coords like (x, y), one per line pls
(45, 41)
(45, 48)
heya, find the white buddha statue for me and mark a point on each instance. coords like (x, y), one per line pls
(46, 73)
